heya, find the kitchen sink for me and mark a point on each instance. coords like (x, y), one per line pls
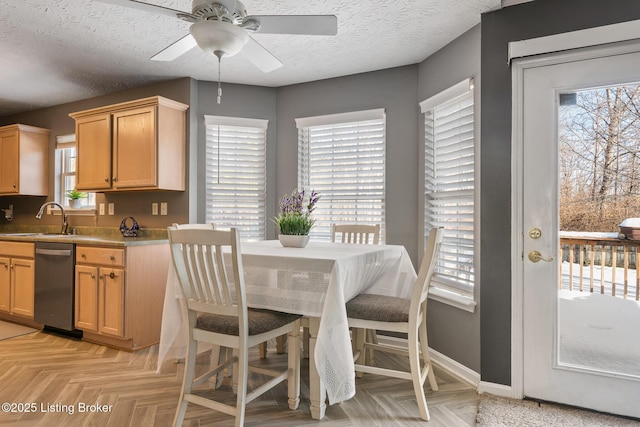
(36, 234)
(57, 237)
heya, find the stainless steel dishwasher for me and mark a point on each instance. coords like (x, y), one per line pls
(54, 286)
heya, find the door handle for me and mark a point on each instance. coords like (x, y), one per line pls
(535, 256)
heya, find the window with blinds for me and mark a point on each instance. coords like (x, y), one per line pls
(449, 184)
(236, 175)
(342, 157)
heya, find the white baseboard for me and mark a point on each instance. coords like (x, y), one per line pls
(456, 369)
(495, 389)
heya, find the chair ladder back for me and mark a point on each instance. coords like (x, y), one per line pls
(199, 263)
(356, 233)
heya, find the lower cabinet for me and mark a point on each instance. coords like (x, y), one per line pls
(17, 275)
(120, 293)
(22, 287)
(86, 298)
(100, 300)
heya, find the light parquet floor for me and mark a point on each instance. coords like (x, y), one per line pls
(51, 377)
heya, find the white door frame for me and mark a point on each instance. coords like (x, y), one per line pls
(517, 199)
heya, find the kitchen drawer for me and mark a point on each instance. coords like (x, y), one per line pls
(18, 249)
(101, 256)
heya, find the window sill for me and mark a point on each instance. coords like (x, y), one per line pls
(75, 212)
(454, 299)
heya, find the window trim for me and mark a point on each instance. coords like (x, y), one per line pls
(334, 119)
(440, 290)
(62, 142)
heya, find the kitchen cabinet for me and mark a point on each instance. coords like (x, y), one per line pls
(119, 294)
(100, 290)
(136, 145)
(95, 133)
(24, 165)
(17, 278)
(86, 298)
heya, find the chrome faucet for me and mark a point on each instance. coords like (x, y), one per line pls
(65, 225)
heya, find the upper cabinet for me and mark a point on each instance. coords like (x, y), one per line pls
(136, 145)
(24, 165)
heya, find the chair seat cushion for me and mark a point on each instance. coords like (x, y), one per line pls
(260, 321)
(379, 308)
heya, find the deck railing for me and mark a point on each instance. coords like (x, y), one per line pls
(599, 262)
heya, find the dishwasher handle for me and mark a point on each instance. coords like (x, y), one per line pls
(54, 252)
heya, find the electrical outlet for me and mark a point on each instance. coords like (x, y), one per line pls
(163, 208)
(154, 209)
(112, 209)
(101, 209)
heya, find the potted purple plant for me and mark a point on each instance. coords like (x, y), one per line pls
(294, 220)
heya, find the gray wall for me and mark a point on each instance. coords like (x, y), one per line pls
(137, 204)
(453, 332)
(395, 90)
(244, 101)
(535, 19)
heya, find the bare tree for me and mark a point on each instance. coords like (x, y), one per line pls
(599, 146)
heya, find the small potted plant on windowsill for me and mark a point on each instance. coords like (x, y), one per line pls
(294, 220)
(76, 198)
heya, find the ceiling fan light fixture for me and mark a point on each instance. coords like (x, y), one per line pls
(214, 36)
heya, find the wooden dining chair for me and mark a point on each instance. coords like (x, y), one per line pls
(358, 234)
(355, 233)
(213, 289)
(221, 353)
(379, 312)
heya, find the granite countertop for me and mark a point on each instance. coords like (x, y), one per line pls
(103, 236)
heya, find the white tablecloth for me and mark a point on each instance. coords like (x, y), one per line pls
(315, 281)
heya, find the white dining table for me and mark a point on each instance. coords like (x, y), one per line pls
(315, 281)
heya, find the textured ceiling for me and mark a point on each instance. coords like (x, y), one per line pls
(57, 51)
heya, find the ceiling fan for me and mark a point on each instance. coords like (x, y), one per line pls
(223, 28)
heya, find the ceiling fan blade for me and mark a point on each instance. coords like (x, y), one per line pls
(322, 25)
(176, 49)
(146, 7)
(260, 56)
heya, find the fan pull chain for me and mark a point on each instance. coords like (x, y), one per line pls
(219, 85)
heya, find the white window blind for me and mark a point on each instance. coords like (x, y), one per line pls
(342, 157)
(236, 174)
(449, 184)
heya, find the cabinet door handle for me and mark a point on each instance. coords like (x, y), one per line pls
(93, 275)
(114, 179)
(112, 257)
(106, 180)
(14, 185)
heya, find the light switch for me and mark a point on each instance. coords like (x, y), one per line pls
(112, 209)
(163, 208)
(154, 209)
(101, 209)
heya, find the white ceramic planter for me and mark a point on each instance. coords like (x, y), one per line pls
(76, 203)
(293, 241)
